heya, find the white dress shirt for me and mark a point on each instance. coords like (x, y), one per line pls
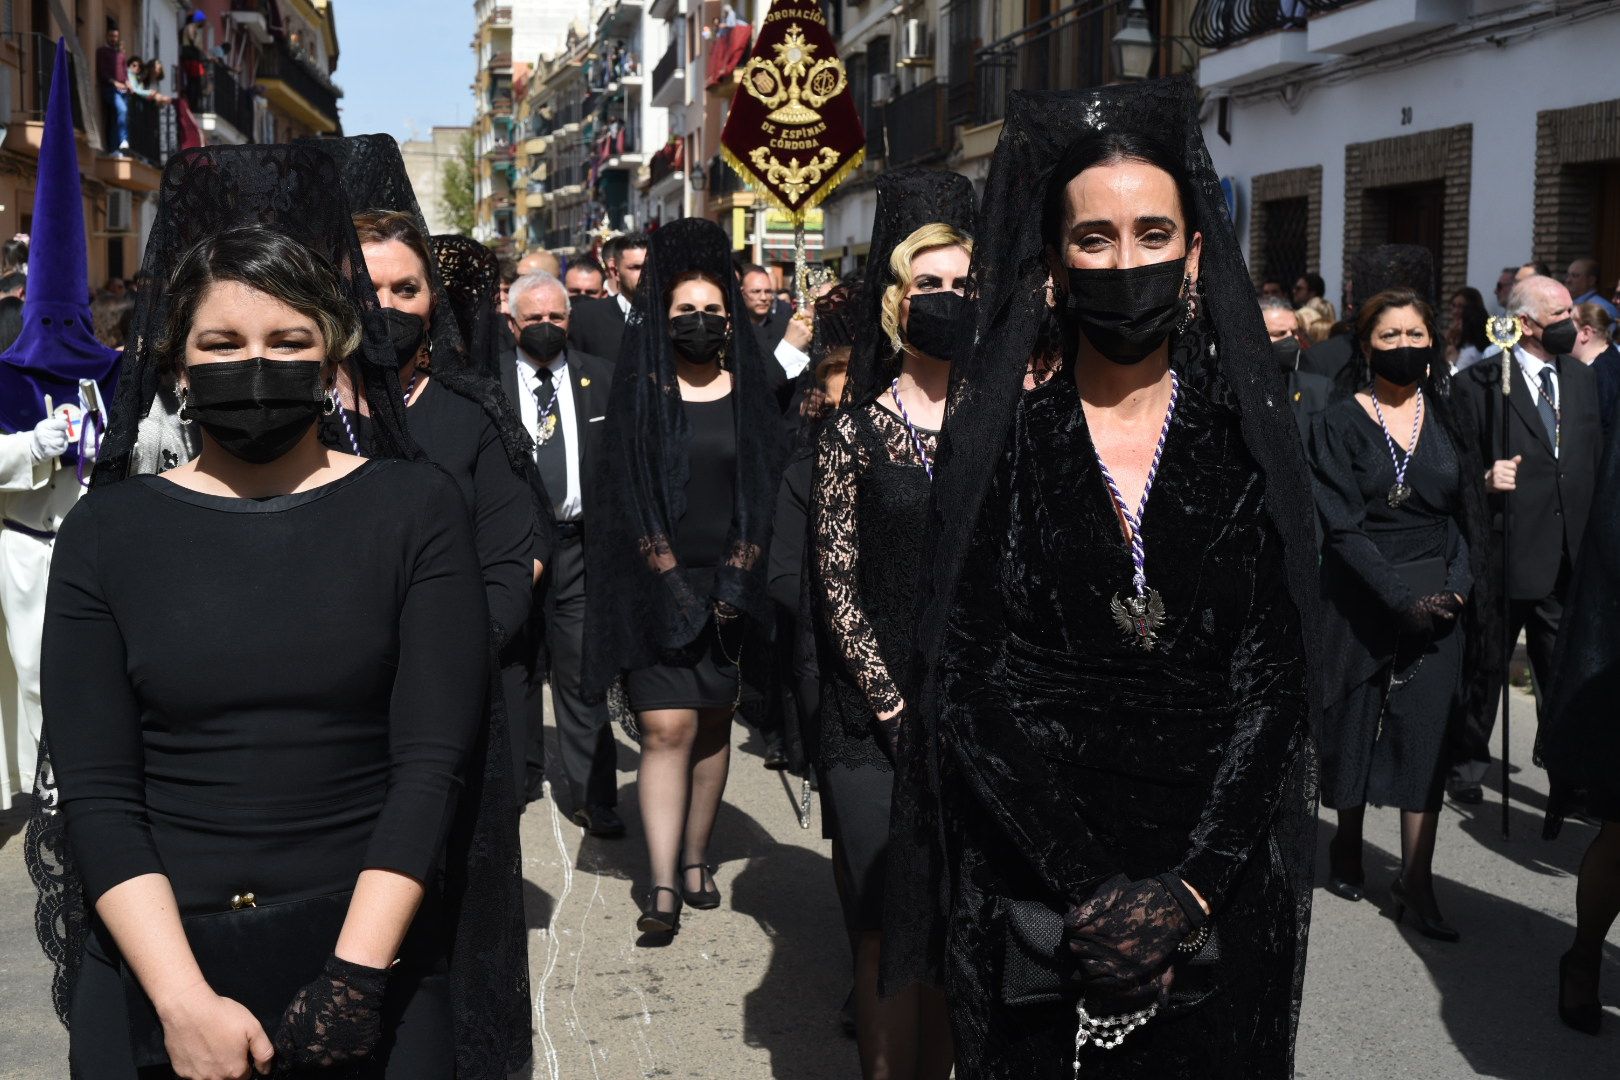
(792, 358)
(624, 304)
(528, 372)
(1532, 368)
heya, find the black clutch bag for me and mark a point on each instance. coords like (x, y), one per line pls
(1424, 577)
(1036, 969)
(257, 956)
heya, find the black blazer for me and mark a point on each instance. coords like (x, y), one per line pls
(1308, 394)
(1546, 514)
(591, 377)
(596, 327)
(1330, 357)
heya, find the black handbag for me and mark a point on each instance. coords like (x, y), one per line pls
(259, 957)
(1036, 968)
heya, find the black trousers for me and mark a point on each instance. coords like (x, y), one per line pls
(1538, 620)
(586, 751)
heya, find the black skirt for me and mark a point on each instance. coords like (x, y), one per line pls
(855, 801)
(709, 681)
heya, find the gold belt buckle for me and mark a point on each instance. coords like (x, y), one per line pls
(244, 900)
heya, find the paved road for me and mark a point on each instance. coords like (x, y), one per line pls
(752, 990)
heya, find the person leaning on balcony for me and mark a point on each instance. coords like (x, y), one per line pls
(111, 73)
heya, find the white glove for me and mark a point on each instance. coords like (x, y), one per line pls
(50, 439)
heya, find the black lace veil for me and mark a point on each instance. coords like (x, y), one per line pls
(641, 613)
(284, 188)
(472, 286)
(907, 199)
(1226, 352)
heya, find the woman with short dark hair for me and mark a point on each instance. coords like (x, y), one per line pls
(1400, 519)
(258, 808)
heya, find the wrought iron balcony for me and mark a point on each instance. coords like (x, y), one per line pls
(1067, 50)
(915, 123)
(279, 68)
(218, 93)
(665, 69)
(1217, 24)
(38, 56)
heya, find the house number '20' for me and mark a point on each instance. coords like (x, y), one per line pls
(1406, 115)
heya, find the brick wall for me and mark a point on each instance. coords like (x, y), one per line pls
(1303, 183)
(1566, 192)
(1445, 154)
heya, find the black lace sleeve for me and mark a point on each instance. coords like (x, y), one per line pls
(840, 461)
(1272, 711)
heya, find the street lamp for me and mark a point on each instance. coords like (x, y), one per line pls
(1134, 46)
(699, 179)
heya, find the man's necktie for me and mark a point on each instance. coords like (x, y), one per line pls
(1544, 406)
(551, 442)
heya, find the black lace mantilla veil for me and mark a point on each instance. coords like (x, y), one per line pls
(1225, 353)
(288, 189)
(489, 955)
(640, 615)
(907, 199)
(472, 284)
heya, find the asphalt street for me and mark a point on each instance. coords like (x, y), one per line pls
(753, 989)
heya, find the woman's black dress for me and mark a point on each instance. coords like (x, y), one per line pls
(239, 702)
(1070, 754)
(1375, 752)
(869, 513)
(706, 677)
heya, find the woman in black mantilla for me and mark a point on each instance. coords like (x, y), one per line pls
(1115, 712)
(1400, 525)
(678, 551)
(868, 522)
(241, 832)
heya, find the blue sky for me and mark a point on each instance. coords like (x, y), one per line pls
(404, 65)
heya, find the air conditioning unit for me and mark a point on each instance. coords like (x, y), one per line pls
(882, 88)
(914, 43)
(120, 211)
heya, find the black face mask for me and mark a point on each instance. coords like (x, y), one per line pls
(1559, 338)
(935, 327)
(698, 336)
(1126, 314)
(257, 409)
(1402, 366)
(543, 341)
(1286, 351)
(405, 333)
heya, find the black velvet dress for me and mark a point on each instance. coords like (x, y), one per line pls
(1385, 702)
(1069, 754)
(869, 516)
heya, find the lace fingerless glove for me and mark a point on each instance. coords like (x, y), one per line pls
(1125, 935)
(337, 1018)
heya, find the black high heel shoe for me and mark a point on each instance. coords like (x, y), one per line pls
(1436, 928)
(1585, 1017)
(706, 899)
(1344, 884)
(653, 921)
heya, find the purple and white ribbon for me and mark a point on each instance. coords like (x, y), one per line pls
(1134, 521)
(1403, 459)
(343, 414)
(911, 429)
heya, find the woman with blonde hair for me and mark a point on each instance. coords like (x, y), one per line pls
(868, 530)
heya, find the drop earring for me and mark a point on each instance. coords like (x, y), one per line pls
(1190, 291)
(331, 401)
(184, 412)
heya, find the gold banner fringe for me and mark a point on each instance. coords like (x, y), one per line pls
(796, 214)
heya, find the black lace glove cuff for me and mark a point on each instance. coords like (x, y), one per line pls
(1124, 936)
(1182, 895)
(889, 734)
(336, 1018)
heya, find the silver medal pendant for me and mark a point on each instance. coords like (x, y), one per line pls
(1139, 618)
(548, 428)
(1398, 494)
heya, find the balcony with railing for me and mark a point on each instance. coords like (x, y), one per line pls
(1250, 40)
(217, 96)
(37, 58)
(915, 122)
(1067, 50)
(1351, 26)
(669, 77)
(294, 87)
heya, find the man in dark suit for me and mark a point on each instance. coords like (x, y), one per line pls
(1308, 393)
(597, 326)
(759, 296)
(561, 393)
(1540, 482)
